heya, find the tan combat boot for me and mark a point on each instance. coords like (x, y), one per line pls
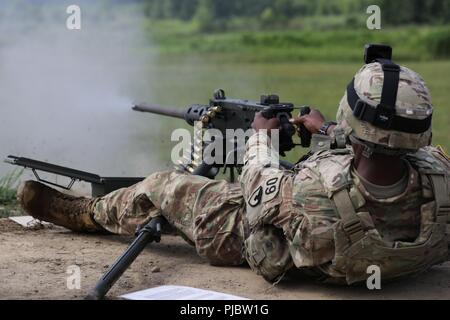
(47, 204)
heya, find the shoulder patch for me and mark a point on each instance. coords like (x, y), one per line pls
(265, 192)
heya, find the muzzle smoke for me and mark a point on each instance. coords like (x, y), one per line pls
(65, 95)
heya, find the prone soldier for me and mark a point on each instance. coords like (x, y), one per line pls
(380, 196)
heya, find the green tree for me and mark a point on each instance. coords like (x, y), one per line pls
(213, 13)
(204, 15)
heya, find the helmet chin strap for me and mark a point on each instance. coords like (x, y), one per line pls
(371, 148)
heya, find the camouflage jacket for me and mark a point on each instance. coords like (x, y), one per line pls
(320, 216)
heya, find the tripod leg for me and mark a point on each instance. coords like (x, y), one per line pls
(149, 233)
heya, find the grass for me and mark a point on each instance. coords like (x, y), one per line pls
(412, 43)
(8, 185)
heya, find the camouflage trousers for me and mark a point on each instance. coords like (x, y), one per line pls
(207, 212)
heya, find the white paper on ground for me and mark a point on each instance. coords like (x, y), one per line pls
(179, 293)
(26, 221)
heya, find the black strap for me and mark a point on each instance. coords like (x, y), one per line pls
(390, 83)
(384, 116)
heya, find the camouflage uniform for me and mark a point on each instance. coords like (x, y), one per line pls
(317, 217)
(307, 212)
(293, 222)
(207, 213)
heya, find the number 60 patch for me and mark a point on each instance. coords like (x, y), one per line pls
(266, 191)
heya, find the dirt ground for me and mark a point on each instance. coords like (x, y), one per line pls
(33, 265)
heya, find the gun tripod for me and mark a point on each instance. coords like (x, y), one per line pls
(151, 232)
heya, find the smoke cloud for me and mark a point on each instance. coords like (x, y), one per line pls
(65, 95)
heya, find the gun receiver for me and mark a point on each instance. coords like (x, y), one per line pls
(100, 185)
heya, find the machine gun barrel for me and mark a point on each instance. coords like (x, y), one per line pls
(169, 112)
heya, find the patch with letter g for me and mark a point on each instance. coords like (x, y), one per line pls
(256, 197)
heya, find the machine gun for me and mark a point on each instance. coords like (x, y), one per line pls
(225, 114)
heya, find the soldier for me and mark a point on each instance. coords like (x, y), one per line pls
(373, 192)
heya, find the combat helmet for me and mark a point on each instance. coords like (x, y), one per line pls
(387, 108)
